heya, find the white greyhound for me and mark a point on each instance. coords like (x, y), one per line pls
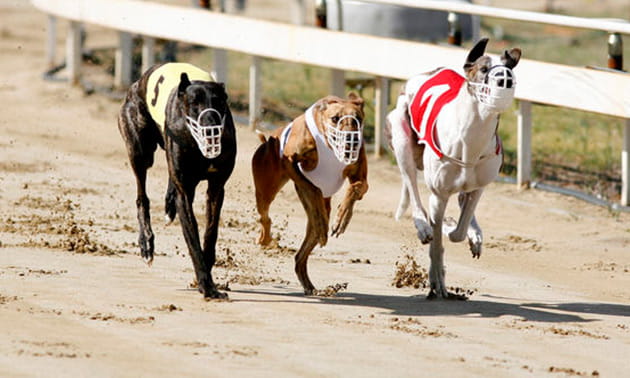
(456, 117)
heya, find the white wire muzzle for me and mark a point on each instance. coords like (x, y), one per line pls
(208, 137)
(345, 144)
(497, 90)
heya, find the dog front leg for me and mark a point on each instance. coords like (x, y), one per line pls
(187, 219)
(301, 259)
(214, 202)
(436, 252)
(317, 210)
(354, 193)
(314, 204)
(467, 225)
(437, 207)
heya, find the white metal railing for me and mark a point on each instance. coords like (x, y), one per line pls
(539, 82)
(612, 26)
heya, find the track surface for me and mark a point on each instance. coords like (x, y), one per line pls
(551, 290)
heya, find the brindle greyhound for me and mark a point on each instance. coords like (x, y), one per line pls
(180, 108)
(446, 124)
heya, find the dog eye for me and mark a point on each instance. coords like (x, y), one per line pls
(335, 119)
(198, 98)
(483, 69)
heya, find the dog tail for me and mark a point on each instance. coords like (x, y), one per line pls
(261, 136)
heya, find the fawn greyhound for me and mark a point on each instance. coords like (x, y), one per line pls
(446, 124)
(318, 150)
(180, 108)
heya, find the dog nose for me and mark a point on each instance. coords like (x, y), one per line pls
(210, 118)
(352, 143)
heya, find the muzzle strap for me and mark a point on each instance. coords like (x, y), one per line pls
(497, 90)
(208, 137)
(345, 144)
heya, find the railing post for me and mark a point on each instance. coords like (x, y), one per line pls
(380, 112)
(219, 59)
(625, 166)
(219, 65)
(51, 41)
(320, 13)
(148, 53)
(299, 12)
(255, 85)
(524, 148)
(123, 64)
(454, 29)
(74, 53)
(219, 56)
(337, 77)
(615, 51)
(476, 27)
(338, 83)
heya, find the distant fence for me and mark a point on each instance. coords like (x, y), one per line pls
(598, 91)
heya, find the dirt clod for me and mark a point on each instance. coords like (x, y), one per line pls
(410, 274)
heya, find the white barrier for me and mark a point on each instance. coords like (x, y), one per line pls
(554, 84)
(513, 14)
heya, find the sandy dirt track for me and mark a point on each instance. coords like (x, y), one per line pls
(551, 292)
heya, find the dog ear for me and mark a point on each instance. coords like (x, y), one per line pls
(355, 99)
(223, 92)
(475, 53)
(511, 58)
(184, 82)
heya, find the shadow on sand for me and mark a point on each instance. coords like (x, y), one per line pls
(484, 307)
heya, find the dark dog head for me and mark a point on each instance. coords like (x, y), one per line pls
(343, 122)
(204, 104)
(492, 82)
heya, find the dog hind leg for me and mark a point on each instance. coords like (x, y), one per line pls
(170, 208)
(408, 163)
(404, 202)
(138, 132)
(268, 180)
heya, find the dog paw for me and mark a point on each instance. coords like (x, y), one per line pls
(146, 248)
(148, 260)
(449, 228)
(343, 219)
(449, 224)
(475, 242)
(264, 239)
(438, 293)
(211, 292)
(425, 232)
